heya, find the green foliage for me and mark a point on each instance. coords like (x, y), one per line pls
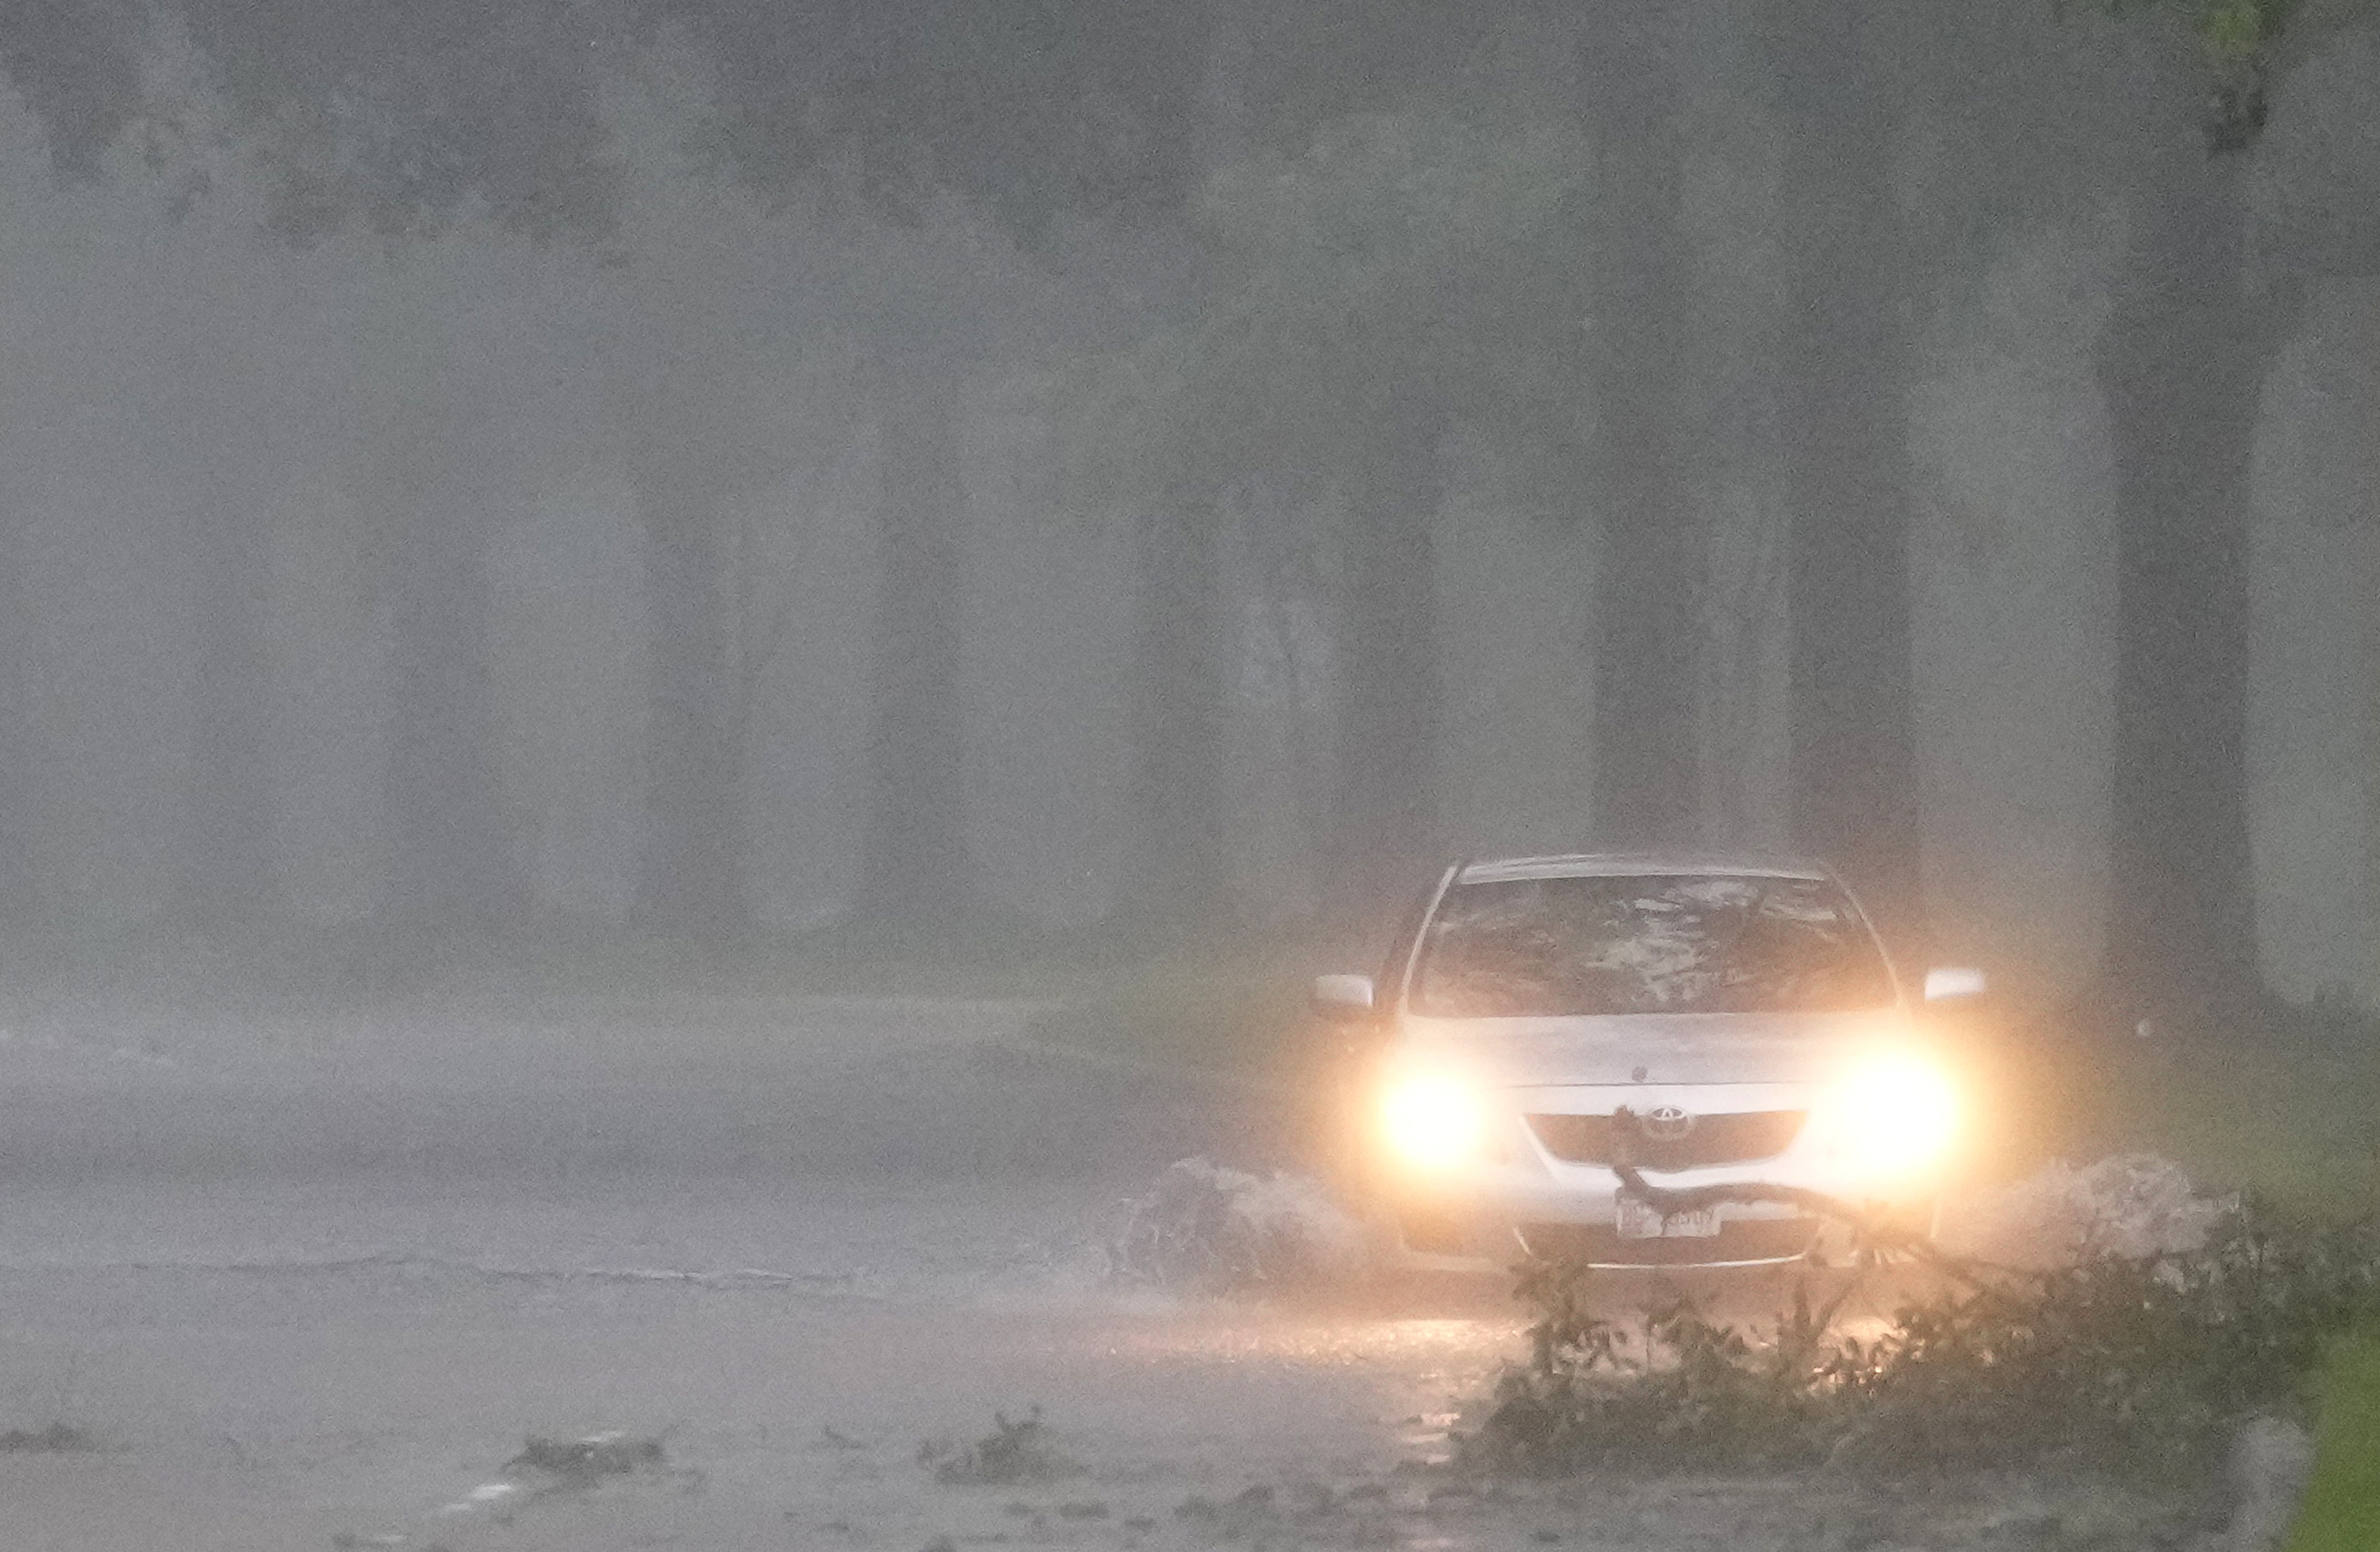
(2228, 29)
(2342, 1504)
(2243, 29)
(2293, 1116)
(2243, 44)
(1677, 1392)
(2140, 1367)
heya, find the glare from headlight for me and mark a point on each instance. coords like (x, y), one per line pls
(1432, 1119)
(1894, 1115)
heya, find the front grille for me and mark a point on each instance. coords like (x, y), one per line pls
(1737, 1137)
(1740, 1239)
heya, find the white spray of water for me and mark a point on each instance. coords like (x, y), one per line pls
(1208, 1229)
(2132, 1206)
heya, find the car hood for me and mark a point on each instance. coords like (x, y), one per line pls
(1655, 1048)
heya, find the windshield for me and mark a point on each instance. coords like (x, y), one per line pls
(1547, 948)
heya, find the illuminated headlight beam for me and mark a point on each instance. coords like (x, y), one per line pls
(1894, 1115)
(1432, 1119)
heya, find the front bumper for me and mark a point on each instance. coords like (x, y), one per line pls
(1518, 1197)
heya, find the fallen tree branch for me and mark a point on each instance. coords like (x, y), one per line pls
(1874, 1230)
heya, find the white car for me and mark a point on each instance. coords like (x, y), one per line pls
(1562, 1052)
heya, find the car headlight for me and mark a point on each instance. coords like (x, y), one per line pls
(1893, 1115)
(1432, 1119)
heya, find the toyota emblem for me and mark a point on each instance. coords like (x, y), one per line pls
(1666, 1123)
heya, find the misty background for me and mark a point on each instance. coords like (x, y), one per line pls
(1128, 475)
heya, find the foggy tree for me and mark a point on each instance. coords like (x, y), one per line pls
(1842, 370)
(1637, 344)
(1409, 254)
(1367, 283)
(2058, 124)
(1133, 450)
(1392, 713)
(1175, 872)
(1356, 393)
(19, 890)
(719, 364)
(1393, 252)
(1036, 114)
(718, 599)
(435, 473)
(230, 877)
(915, 875)
(1039, 113)
(226, 414)
(39, 395)
(409, 120)
(2198, 323)
(2183, 367)
(1297, 372)
(707, 369)
(238, 402)
(405, 119)
(690, 876)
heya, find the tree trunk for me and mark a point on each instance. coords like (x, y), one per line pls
(229, 882)
(1174, 876)
(1844, 356)
(2372, 803)
(1390, 711)
(915, 873)
(691, 879)
(2182, 367)
(450, 848)
(1646, 778)
(1649, 571)
(19, 886)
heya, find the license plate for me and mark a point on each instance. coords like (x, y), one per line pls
(1638, 1220)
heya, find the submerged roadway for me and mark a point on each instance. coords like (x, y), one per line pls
(312, 1285)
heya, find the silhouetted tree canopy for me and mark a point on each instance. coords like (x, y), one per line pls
(402, 115)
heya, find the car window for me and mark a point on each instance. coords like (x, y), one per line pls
(1400, 946)
(1522, 948)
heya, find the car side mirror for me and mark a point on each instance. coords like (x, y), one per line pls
(1953, 982)
(1342, 998)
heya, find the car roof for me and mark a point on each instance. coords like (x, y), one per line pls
(1594, 865)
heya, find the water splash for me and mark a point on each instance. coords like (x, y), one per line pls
(1210, 1229)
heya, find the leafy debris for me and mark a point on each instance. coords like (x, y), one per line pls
(584, 1461)
(2128, 1356)
(58, 1438)
(1018, 1450)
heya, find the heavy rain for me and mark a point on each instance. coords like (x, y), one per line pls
(690, 690)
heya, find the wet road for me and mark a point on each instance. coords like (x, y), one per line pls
(311, 1286)
(321, 1286)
